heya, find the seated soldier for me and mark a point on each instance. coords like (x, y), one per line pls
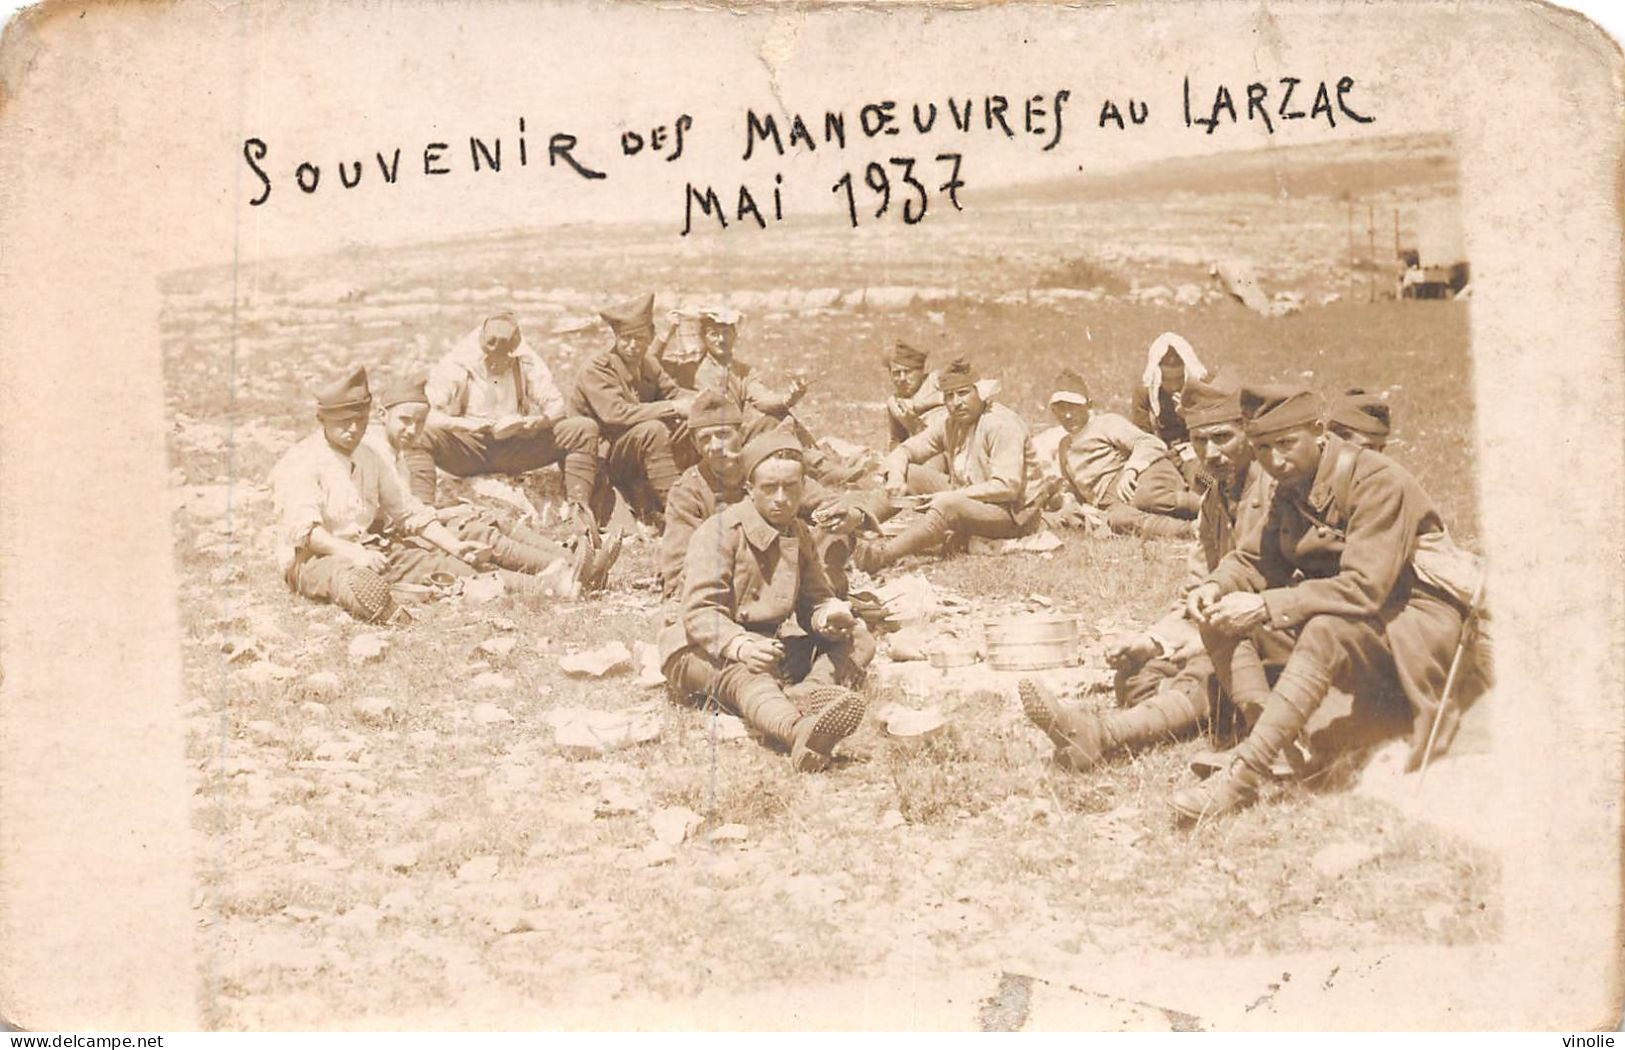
(993, 489)
(758, 613)
(405, 408)
(494, 409)
(717, 482)
(1163, 672)
(1170, 363)
(1109, 463)
(1327, 575)
(915, 399)
(637, 408)
(349, 528)
(711, 365)
(1360, 418)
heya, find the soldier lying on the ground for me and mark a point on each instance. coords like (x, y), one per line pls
(718, 482)
(1360, 418)
(349, 528)
(761, 632)
(637, 408)
(1329, 576)
(405, 407)
(1163, 672)
(1109, 463)
(993, 489)
(495, 409)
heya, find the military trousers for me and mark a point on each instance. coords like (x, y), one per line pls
(572, 442)
(766, 702)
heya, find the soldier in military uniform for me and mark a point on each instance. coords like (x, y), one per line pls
(348, 528)
(760, 623)
(1328, 572)
(915, 398)
(405, 407)
(1360, 418)
(1163, 671)
(994, 488)
(637, 408)
(1112, 464)
(495, 409)
(717, 482)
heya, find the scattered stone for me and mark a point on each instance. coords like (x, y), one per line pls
(314, 709)
(674, 824)
(615, 800)
(483, 588)
(729, 833)
(1340, 858)
(362, 919)
(609, 658)
(359, 784)
(324, 685)
(497, 648)
(901, 721)
(298, 914)
(583, 732)
(502, 623)
(368, 648)
(265, 673)
(265, 732)
(892, 819)
(482, 868)
(491, 680)
(374, 710)
(340, 750)
(398, 900)
(489, 714)
(648, 663)
(728, 727)
(652, 856)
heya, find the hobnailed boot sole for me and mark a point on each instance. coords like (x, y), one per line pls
(1079, 747)
(837, 720)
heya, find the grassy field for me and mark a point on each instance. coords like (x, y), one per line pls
(405, 832)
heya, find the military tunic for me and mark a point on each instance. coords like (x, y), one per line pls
(1333, 565)
(627, 403)
(743, 577)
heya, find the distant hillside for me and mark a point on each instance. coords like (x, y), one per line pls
(1423, 164)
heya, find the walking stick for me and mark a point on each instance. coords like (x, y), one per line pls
(1467, 626)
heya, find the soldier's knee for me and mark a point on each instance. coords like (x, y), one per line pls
(576, 434)
(648, 436)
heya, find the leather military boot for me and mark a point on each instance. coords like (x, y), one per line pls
(834, 714)
(603, 559)
(1080, 741)
(1232, 788)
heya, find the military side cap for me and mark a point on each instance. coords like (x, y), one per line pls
(712, 408)
(1209, 404)
(400, 391)
(772, 443)
(631, 317)
(1361, 412)
(1070, 389)
(905, 355)
(1267, 410)
(349, 392)
(957, 376)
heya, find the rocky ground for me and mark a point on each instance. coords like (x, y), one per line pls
(472, 813)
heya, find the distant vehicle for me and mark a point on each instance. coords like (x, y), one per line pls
(1436, 268)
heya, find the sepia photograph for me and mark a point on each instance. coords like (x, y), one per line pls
(1004, 519)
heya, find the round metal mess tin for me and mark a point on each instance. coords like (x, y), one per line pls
(1032, 643)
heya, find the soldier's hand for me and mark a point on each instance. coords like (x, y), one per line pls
(473, 552)
(1130, 652)
(1239, 612)
(1199, 602)
(507, 426)
(1127, 482)
(760, 655)
(837, 621)
(369, 559)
